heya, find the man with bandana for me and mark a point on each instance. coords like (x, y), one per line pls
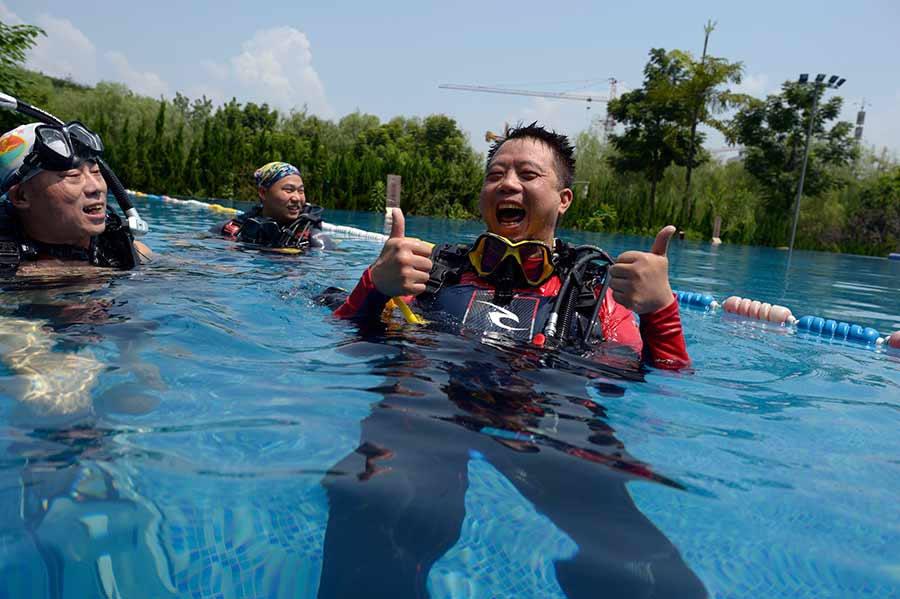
(283, 218)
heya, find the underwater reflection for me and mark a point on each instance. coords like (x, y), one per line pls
(397, 503)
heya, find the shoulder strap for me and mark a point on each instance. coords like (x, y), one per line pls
(450, 262)
(114, 248)
(313, 213)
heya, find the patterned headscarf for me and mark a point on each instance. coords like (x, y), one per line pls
(268, 174)
(15, 145)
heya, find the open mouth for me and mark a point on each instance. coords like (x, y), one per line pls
(510, 214)
(94, 209)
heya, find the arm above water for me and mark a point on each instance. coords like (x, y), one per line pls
(365, 301)
(664, 345)
(659, 337)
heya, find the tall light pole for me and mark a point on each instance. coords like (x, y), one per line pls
(833, 82)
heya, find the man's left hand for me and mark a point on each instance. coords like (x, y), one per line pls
(640, 280)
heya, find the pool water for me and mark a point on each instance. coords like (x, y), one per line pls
(226, 437)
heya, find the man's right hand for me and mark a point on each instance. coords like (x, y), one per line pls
(404, 264)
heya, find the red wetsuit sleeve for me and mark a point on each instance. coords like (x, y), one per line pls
(619, 324)
(664, 345)
(364, 301)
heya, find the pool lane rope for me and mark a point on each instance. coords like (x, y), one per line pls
(745, 307)
(782, 316)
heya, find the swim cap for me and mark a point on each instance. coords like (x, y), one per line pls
(15, 145)
(268, 174)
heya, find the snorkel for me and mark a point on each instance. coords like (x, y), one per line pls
(136, 224)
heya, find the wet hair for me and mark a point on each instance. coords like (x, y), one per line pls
(563, 151)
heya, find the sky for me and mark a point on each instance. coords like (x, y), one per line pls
(388, 58)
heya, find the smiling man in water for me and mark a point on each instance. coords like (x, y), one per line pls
(512, 280)
(283, 218)
(55, 215)
(404, 510)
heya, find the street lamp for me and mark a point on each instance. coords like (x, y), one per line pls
(833, 82)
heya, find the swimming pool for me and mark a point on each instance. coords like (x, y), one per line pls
(220, 457)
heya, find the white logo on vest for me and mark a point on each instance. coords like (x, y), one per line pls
(502, 314)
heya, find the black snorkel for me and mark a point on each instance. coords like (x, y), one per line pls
(136, 224)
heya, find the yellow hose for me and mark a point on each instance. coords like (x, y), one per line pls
(410, 316)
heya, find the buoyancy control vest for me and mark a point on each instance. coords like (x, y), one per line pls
(114, 248)
(479, 305)
(255, 228)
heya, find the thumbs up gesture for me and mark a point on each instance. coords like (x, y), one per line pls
(640, 280)
(404, 264)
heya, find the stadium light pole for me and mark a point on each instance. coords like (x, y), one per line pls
(833, 82)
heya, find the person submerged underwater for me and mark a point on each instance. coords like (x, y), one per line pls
(518, 280)
(283, 218)
(55, 213)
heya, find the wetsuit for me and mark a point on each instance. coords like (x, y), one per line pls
(398, 503)
(252, 227)
(659, 336)
(114, 248)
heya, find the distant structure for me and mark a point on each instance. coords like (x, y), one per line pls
(609, 123)
(860, 120)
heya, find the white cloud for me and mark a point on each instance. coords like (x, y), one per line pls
(754, 84)
(141, 82)
(216, 71)
(274, 66)
(8, 16)
(66, 52)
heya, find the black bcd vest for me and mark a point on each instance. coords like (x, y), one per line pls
(114, 248)
(254, 228)
(520, 314)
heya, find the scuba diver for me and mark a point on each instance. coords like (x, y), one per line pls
(55, 213)
(283, 218)
(518, 287)
(518, 280)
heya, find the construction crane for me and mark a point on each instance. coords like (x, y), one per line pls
(608, 123)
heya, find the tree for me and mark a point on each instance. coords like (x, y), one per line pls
(654, 116)
(705, 97)
(15, 41)
(873, 225)
(773, 132)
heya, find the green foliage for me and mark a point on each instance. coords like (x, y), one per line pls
(661, 119)
(458, 212)
(704, 94)
(774, 133)
(188, 147)
(653, 116)
(377, 197)
(15, 41)
(603, 218)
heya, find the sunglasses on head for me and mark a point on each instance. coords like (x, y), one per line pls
(58, 149)
(491, 250)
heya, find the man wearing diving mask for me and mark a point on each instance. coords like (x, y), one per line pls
(56, 213)
(517, 279)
